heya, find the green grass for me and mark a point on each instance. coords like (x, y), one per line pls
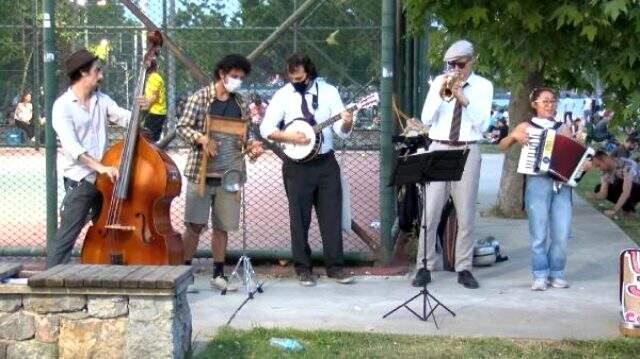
(631, 226)
(230, 343)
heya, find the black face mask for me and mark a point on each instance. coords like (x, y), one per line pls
(300, 86)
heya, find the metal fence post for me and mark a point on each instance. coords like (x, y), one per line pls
(35, 87)
(48, 39)
(386, 129)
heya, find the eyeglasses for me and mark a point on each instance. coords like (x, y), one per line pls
(546, 102)
(458, 64)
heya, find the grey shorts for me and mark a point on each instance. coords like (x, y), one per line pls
(226, 207)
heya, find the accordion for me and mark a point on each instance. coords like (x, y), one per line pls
(557, 156)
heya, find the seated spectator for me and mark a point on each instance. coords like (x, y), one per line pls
(499, 132)
(626, 148)
(619, 183)
(257, 109)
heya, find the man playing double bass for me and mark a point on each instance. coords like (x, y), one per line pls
(220, 98)
(79, 117)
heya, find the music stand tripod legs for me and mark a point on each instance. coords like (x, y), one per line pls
(244, 271)
(427, 297)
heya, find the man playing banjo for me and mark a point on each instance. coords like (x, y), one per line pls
(315, 181)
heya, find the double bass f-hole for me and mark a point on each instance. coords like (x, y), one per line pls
(145, 233)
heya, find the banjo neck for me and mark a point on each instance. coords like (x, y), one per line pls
(320, 126)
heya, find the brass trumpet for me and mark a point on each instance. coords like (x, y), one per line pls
(451, 79)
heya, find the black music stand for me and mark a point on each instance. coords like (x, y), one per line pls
(437, 166)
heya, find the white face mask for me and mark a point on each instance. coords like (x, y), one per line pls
(232, 85)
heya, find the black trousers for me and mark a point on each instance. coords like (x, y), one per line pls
(614, 190)
(154, 124)
(315, 184)
(568, 115)
(26, 127)
(82, 201)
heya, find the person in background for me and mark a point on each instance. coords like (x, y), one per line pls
(154, 92)
(619, 183)
(23, 116)
(576, 127)
(257, 108)
(624, 150)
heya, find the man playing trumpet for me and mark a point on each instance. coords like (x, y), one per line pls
(456, 111)
(225, 153)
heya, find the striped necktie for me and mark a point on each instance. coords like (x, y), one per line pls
(456, 121)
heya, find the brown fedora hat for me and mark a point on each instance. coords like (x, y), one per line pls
(77, 60)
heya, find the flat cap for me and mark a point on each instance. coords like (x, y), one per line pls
(461, 48)
(77, 60)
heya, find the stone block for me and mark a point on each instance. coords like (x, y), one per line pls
(107, 307)
(47, 327)
(32, 349)
(3, 349)
(10, 302)
(17, 326)
(44, 303)
(154, 331)
(152, 309)
(93, 338)
(157, 340)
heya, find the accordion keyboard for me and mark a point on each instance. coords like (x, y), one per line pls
(528, 162)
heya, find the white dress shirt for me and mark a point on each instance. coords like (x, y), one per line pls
(286, 104)
(437, 114)
(81, 132)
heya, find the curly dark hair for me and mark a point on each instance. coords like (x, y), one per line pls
(230, 62)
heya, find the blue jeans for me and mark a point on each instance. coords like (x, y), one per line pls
(549, 216)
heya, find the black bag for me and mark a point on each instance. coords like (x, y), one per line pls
(408, 208)
(447, 234)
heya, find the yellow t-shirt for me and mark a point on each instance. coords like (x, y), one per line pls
(156, 84)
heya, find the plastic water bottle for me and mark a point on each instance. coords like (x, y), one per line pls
(286, 344)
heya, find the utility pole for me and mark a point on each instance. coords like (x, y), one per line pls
(49, 57)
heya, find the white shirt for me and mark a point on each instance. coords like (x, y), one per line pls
(437, 114)
(286, 104)
(81, 132)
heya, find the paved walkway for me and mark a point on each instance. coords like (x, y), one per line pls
(503, 306)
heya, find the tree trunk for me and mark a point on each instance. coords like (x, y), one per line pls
(510, 197)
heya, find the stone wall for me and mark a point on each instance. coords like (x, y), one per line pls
(94, 325)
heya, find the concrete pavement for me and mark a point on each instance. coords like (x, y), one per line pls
(504, 305)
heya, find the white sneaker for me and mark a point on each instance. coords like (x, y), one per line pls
(539, 284)
(559, 283)
(221, 283)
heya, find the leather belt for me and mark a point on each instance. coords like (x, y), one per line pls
(456, 143)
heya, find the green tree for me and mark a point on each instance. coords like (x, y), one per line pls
(528, 43)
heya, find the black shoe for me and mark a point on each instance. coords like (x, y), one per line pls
(340, 276)
(466, 279)
(306, 279)
(422, 278)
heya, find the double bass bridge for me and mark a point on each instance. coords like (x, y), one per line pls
(119, 227)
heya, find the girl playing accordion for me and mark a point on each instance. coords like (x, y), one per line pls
(548, 204)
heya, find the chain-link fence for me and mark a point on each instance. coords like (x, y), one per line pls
(343, 38)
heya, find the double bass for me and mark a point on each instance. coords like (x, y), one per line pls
(134, 225)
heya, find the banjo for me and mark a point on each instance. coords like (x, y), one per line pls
(313, 131)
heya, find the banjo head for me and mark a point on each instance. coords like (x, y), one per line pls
(299, 152)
